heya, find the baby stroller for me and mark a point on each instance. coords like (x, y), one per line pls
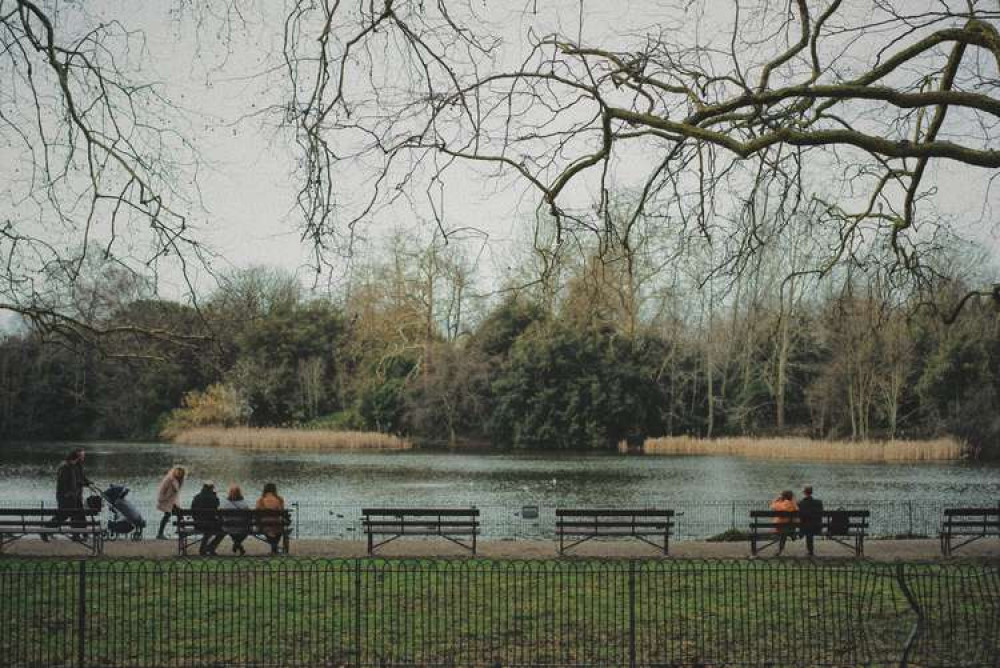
(126, 520)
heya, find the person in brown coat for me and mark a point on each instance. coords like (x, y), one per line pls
(272, 528)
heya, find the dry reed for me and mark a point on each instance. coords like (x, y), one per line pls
(289, 439)
(941, 449)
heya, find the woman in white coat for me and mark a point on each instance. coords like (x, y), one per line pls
(168, 496)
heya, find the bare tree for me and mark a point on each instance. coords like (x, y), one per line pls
(756, 96)
(92, 163)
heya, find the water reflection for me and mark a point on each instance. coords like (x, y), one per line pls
(27, 475)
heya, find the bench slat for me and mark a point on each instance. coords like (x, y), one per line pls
(46, 512)
(611, 512)
(972, 523)
(973, 512)
(416, 512)
(607, 524)
(411, 523)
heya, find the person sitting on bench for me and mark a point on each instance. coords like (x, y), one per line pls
(272, 527)
(203, 508)
(784, 503)
(810, 517)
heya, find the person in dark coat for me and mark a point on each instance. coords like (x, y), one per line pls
(810, 517)
(70, 481)
(206, 520)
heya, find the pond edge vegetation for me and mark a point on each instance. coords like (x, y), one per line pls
(940, 449)
(274, 438)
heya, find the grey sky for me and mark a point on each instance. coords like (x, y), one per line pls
(226, 81)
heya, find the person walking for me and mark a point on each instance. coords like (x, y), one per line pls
(203, 511)
(70, 481)
(168, 496)
(810, 517)
(784, 503)
(272, 527)
(235, 525)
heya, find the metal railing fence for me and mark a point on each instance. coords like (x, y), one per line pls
(693, 520)
(369, 612)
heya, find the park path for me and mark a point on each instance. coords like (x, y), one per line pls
(877, 550)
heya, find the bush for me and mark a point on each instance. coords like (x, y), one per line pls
(217, 405)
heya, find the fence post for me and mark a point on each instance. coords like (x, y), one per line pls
(357, 611)
(631, 613)
(81, 615)
(295, 504)
(918, 625)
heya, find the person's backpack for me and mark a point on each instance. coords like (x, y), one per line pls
(839, 523)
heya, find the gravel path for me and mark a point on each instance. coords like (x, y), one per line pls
(878, 550)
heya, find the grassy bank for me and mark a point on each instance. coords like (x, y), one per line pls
(289, 439)
(479, 612)
(942, 449)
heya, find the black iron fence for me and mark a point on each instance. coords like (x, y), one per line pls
(331, 612)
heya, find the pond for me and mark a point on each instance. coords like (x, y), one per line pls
(330, 488)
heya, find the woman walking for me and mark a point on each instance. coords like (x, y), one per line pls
(272, 527)
(168, 496)
(235, 525)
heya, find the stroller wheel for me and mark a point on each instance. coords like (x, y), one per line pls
(137, 535)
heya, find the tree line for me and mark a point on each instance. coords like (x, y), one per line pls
(610, 346)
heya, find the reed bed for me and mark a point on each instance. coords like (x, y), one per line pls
(941, 449)
(289, 439)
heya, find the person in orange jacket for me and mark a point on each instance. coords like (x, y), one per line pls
(785, 502)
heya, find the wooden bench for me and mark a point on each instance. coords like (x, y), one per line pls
(845, 527)
(455, 524)
(969, 524)
(84, 528)
(583, 524)
(191, 525)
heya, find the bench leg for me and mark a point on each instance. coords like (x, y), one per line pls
(369, 543)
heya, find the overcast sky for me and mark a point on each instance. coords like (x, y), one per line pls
(224, 82)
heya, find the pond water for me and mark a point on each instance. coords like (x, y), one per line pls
(331, 487)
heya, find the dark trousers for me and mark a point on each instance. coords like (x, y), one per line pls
(69, 511)
(810, 536)
(238, 539)
(164, 521)
(210, 541)
(784, 533)
(273, 541)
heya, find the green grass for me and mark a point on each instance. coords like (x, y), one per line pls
(467, 612)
